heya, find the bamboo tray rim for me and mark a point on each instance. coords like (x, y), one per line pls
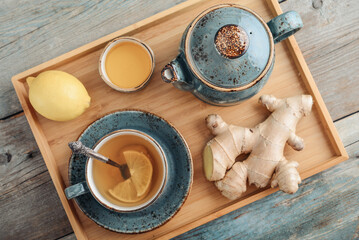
(50, 161)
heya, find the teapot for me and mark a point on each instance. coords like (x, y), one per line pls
(226, 53)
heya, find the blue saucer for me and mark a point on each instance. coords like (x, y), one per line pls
(179, 179)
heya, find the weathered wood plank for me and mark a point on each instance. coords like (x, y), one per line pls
(70, 236)
(29, 205)
(348, 129)
(32, 32)
(330, 44)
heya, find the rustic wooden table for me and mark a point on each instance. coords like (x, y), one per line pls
(326, 205)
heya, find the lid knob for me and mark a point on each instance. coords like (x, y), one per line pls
(231, 41)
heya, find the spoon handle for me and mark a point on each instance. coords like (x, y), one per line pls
(78, 147)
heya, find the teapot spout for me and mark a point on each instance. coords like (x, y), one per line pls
(175, 73)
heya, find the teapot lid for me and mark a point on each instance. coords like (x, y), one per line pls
(229, 47)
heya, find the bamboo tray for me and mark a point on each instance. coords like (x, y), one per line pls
(162, 32)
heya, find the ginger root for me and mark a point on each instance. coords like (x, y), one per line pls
(265, 143)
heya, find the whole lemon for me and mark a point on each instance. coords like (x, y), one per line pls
(57, 95)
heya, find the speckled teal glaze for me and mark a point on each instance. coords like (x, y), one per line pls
(201, 69)
(179, 178)
(285, 25)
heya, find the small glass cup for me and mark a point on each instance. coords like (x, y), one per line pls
(102, 68)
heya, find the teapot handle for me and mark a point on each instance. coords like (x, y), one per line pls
(285, 25)
(176, 73)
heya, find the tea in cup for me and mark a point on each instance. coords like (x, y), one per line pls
(147, 165)
(126, 64)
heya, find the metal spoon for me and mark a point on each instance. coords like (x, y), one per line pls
(78, 147)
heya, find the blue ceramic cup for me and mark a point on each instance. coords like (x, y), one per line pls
(227, 53)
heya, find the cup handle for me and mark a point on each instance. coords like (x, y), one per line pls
(285, 25)
(76, 190)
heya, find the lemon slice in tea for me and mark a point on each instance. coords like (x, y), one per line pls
(141, 170)
(125, 191)
(136, 187)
